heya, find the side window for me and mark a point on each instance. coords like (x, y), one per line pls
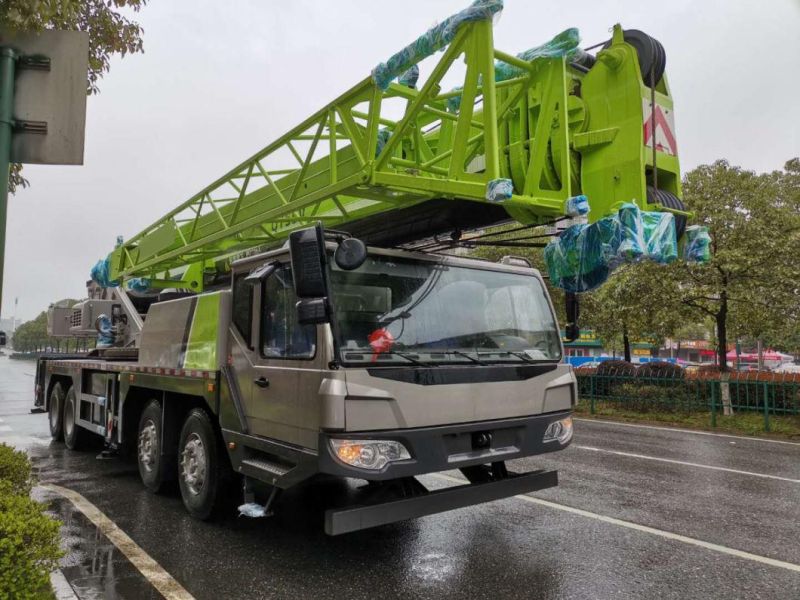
(243, 307)
(281, 335)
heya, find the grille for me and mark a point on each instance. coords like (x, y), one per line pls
(75, 321)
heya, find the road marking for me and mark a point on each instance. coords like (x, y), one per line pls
(644, 528)
(692, 431)
(688, 464)
(5, 428)
(152, 571)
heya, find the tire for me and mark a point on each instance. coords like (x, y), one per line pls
(152, 465)
(74, 434)
(203, 469)
(56, 412)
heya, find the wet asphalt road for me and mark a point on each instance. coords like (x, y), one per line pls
(507, 549)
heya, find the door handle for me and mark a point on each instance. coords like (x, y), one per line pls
(261, 382)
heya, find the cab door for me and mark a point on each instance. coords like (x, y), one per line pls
(286, 369)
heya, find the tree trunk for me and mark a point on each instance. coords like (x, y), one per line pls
(722, 332)
(760, 355)
(627, 343)
(722, 353)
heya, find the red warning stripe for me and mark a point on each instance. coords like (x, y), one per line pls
(660, 121)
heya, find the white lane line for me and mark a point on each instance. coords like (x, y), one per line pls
(687, 464)
(644, 528)
(680, 430)
(5, 428)
(152, 571)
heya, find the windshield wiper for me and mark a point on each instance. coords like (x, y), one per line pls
(520, 355)
(410, 359)
(465, 355)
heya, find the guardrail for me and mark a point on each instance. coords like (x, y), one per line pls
(673, 390)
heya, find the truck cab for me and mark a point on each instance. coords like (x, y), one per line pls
(415, 341)
(425, 363)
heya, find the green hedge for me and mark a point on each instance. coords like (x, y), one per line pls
(29, 539)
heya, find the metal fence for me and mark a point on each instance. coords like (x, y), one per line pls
(676, 391)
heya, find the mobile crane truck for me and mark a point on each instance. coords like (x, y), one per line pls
(296, 319)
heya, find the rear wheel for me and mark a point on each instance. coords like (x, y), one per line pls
(74, 434)
(203, 471)
(152, 466)
(56, 412)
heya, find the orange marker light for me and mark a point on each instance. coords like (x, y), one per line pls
(349, 453)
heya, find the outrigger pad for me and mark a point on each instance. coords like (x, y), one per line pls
(584, 256)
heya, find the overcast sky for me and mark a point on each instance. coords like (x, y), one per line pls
(220, 80)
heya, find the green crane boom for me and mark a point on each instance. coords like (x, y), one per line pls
(555, 126)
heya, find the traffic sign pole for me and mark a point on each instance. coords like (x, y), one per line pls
(8, 60)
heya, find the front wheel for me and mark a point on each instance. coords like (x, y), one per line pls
(203, 469)
(56, 412)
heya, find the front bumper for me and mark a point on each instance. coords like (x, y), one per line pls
(355, 518)
(448, 447)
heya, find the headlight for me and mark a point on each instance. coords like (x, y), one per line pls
(369, 454)
(559, 430)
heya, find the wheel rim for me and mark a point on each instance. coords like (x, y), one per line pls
(69, 418)
(148, 445)
(193, 464)
(54, 410)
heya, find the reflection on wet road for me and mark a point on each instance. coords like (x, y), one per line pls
(507, 549)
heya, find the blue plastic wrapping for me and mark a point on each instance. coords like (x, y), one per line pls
(499, 190)
(577, 206)
(584, 256)
(105, 331)
(383, 137)
(99, 274)
(563, 44)
(632, 245)
(661, 244)
(410, 77)
(432, 40)
(138, 284)
(696, 244)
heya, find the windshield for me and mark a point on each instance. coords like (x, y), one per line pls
(400, 310)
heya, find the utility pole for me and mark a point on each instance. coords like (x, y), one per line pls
(8, 60)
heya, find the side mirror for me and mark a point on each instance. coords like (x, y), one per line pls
(2, 338)
(572, 330)
(311, 311)
(307, 248)
(350, 254)
(310, 275)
